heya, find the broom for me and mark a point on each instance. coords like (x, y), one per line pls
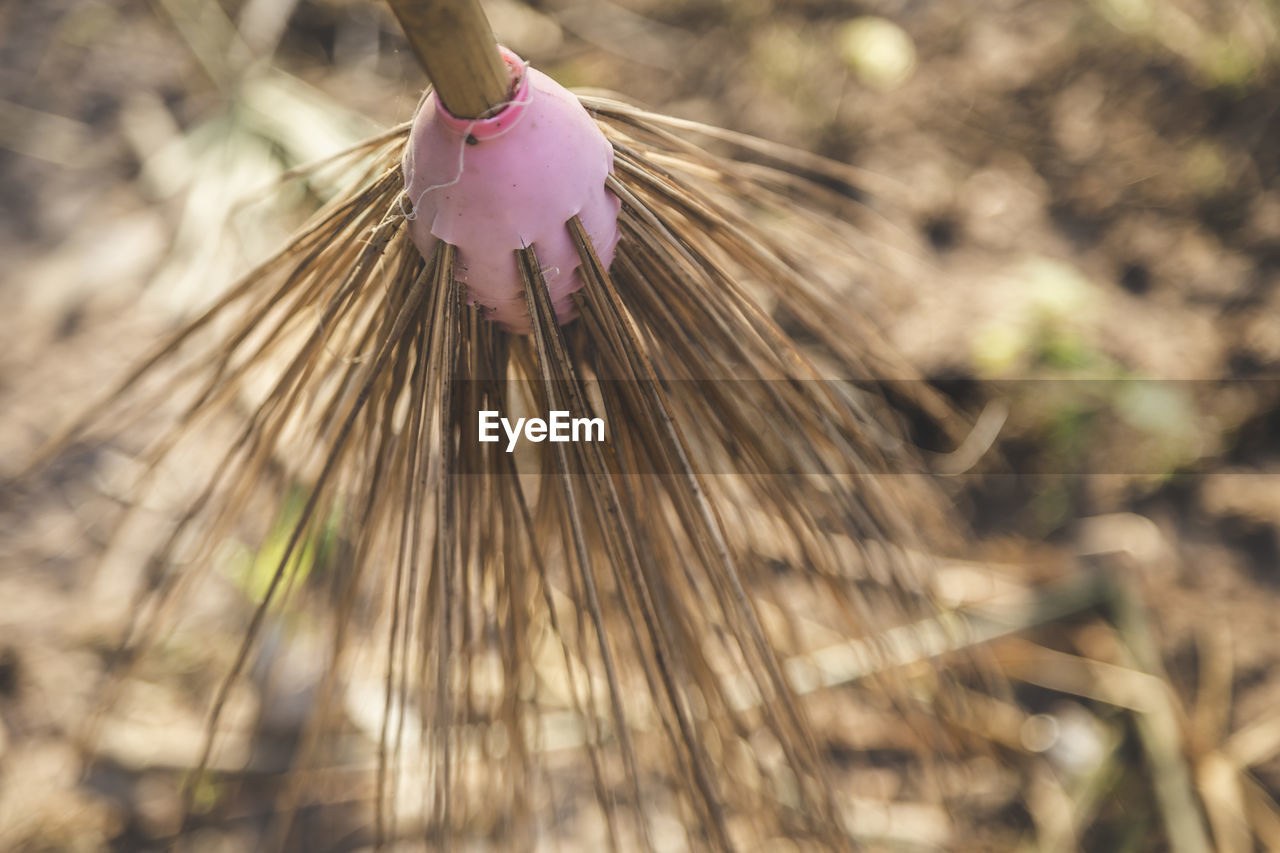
(643, 602)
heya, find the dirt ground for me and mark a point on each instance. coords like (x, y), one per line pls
(1084, 216)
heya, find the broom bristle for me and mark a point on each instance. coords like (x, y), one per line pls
(645, 603)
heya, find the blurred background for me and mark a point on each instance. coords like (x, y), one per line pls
(1084, 206)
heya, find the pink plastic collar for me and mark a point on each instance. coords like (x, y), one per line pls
(507, 115)
(492, 186)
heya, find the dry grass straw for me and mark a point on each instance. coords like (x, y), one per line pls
(643, 592)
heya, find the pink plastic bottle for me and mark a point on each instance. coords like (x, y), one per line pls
(492, 186)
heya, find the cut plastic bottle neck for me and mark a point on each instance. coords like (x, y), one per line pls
(508, 114)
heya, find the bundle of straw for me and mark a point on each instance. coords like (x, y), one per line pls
(643, 604)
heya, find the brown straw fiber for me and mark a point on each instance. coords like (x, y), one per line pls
(620, 625)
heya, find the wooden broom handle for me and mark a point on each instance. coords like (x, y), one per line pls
(455, 46)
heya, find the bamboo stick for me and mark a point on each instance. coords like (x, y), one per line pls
(456, 48)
